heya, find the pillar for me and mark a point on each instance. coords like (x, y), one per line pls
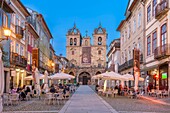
(8, 81)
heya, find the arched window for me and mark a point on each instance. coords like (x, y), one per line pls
(99, 52)
(72, 53)
(86, 43)
(75, 41)
(71, 41)
(100, 41)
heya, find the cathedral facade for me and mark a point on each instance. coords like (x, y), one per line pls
(86, 59)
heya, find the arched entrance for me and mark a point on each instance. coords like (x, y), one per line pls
(84, 78)
(96, 81)
(72, 80)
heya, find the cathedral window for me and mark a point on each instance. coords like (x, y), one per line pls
(75, 41)
(99, 52)
(99, 41)
(72, 53)
(99, 65)
(71, 41)
(86, 43)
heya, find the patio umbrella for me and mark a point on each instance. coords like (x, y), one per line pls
(61, 76)
(111, 76)
(1, 80)
(130, 77)
(41, 76)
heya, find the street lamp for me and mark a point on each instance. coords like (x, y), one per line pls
(6, 33)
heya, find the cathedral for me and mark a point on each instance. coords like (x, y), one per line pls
(87, 59)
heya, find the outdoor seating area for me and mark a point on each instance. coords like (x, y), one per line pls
(111, 84)
(57, 94)
(158, 93)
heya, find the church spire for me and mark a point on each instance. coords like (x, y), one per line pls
(74, 25)
(100, 25)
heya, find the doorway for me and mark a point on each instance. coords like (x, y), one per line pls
(84, 78)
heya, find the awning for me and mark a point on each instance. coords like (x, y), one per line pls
(149, 68)
(154, 66)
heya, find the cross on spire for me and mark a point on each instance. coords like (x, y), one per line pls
(86, 33)
(74, 25)
(100, 25)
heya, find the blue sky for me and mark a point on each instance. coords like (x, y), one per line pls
(60, 16)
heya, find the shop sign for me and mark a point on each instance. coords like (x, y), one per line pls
(35, 57)
(13, 73)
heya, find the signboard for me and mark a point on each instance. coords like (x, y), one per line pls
(136, 60)
(56, 68)
(136, 67)
(35, 57)
(13, 73)
(86, 55)
(164, 76)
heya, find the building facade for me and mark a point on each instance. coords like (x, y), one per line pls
(29, 31)
(86, 59)
(43, 49)
(18, 52)
(114, 55)
(132, 31)
(157, 44)
(5, 20)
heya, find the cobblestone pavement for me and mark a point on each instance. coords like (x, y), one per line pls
(127, 105)
(33, 106)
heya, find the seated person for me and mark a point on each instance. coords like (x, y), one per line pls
(52, 90)
(27, 90)
(96, 88)
(22, 95)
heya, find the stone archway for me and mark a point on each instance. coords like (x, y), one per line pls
(98, 72)
(84, 78)
(72, 80)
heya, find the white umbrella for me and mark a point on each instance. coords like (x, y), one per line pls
(29, 78)
(1, 80)
(41, 76)
(131, 77)
(111, 76)
(61, 76)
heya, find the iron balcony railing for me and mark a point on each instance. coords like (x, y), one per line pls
(161, 8)
(19, 31)
(18, 60)
(162, 51)
(129, 64)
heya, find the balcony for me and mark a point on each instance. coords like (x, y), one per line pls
(162, 52)
(18, 60)
(42, 65)
(161, 9)
(19, 32)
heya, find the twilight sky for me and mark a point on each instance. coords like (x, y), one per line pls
(60, 16)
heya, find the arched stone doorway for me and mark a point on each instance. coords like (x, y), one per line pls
(98, 72)
(84, 78)
(96, 81)
(72, 80)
